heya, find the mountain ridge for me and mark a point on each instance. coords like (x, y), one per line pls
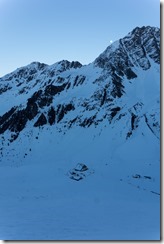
(115, 61)
(68, 94)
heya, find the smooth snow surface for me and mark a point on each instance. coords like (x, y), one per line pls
(40, 202)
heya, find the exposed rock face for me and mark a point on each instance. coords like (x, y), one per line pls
(68, 94)
(62, 110)
(16, 119)
(41, 120)
(51, 116)
(133, 50)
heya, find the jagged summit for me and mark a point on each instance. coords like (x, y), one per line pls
(137, 49)
(144, 30)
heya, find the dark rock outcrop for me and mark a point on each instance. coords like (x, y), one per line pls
(51, 116)
(62, 110)
(41, 121)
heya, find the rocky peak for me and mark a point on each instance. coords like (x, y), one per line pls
(67, 94)
(137, 49)
(143, 44)
(66, 65)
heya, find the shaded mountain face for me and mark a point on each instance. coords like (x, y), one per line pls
(119, 89)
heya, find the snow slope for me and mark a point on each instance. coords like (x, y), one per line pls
(105, 115)
(39, 201)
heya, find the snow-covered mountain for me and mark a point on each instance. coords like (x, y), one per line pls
(105, 115)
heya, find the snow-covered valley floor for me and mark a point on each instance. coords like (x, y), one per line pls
(119, 201)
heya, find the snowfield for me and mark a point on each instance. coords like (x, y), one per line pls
(40, 202)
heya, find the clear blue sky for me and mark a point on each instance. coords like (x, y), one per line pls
(51, 30)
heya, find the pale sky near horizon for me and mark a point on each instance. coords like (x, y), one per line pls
(77, 30)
